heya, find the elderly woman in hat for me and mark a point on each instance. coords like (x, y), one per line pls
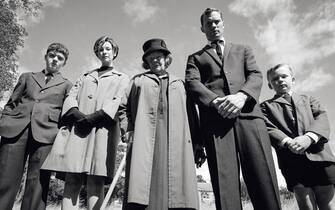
(90, 113)
(160, 172)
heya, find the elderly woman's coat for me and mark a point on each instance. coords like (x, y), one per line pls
(138, 113)
(94, 153)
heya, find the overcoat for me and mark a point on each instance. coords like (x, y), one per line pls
(138, 113)
(37, 103)
(310, 117)
(95, 153)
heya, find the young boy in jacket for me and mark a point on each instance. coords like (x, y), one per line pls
(28, 127)
(299, 131)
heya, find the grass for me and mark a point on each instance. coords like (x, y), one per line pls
(286, 205)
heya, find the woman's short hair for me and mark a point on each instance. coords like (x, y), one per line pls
(101, 41)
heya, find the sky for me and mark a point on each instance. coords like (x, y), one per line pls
(298, 32)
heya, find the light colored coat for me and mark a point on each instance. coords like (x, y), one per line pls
(95, 153)
(138, 113)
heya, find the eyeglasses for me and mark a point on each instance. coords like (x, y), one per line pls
(155, 57)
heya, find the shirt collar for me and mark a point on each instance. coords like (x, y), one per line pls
(52, 74)
(288, 93)
(222, 39)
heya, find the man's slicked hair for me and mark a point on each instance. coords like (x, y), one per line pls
(207, 12)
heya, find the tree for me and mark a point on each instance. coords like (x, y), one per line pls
(12, 35)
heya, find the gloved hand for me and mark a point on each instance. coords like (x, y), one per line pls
(72, 116)
(85, 124)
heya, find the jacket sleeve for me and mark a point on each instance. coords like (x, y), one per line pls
(195, 88)
(17, 93)
(320, 124)
(276, 135)
(72, 95)
(126, 110)
(253, 75)
(111, 104)
(194, 123)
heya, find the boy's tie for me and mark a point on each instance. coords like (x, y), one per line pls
(48, 77)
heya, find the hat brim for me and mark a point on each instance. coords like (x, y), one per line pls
(148, 52)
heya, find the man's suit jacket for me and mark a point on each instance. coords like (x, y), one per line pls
(35, 102)
(207, 77)
(310, 117)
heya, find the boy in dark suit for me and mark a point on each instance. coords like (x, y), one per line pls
(299, 131)
(28, 126)
(225, 82)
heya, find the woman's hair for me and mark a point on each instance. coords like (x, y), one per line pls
(168, 61)
(101, 41)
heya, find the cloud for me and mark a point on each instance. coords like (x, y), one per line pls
(90, 63)
(28, 21)
(318, 75)
(140, 10)
(301, 39)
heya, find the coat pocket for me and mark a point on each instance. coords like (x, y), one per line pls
(61, 140)
(54, 116)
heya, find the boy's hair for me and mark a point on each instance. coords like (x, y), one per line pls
(58, 47)
(207, 12)
(273, 69)
(101, 41)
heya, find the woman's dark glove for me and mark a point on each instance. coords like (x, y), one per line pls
(72, 116)
(95, 119)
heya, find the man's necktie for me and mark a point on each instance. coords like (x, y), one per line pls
(290, 113)
(217, 46)
(48, 77)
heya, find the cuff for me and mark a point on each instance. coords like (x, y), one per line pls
(315, 137)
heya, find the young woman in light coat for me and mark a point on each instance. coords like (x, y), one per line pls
(160, 171)
(90, 110)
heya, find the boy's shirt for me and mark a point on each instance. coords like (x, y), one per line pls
(309, 116)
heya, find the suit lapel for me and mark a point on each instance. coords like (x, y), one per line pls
(39, 77)
(226, 52)
(299, 110)
(208, 49)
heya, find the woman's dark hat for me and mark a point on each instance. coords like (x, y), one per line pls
(154, 45)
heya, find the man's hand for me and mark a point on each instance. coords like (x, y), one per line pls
(231, 105)
(199, 155)
(299, 144)
(128, 137)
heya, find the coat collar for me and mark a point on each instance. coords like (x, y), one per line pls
(95, 75)
(280, 99)
(208, 49)
(151, 75)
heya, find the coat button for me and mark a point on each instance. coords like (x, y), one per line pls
(90, 96)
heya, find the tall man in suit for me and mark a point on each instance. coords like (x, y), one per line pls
(225, 82)
(28, 126)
